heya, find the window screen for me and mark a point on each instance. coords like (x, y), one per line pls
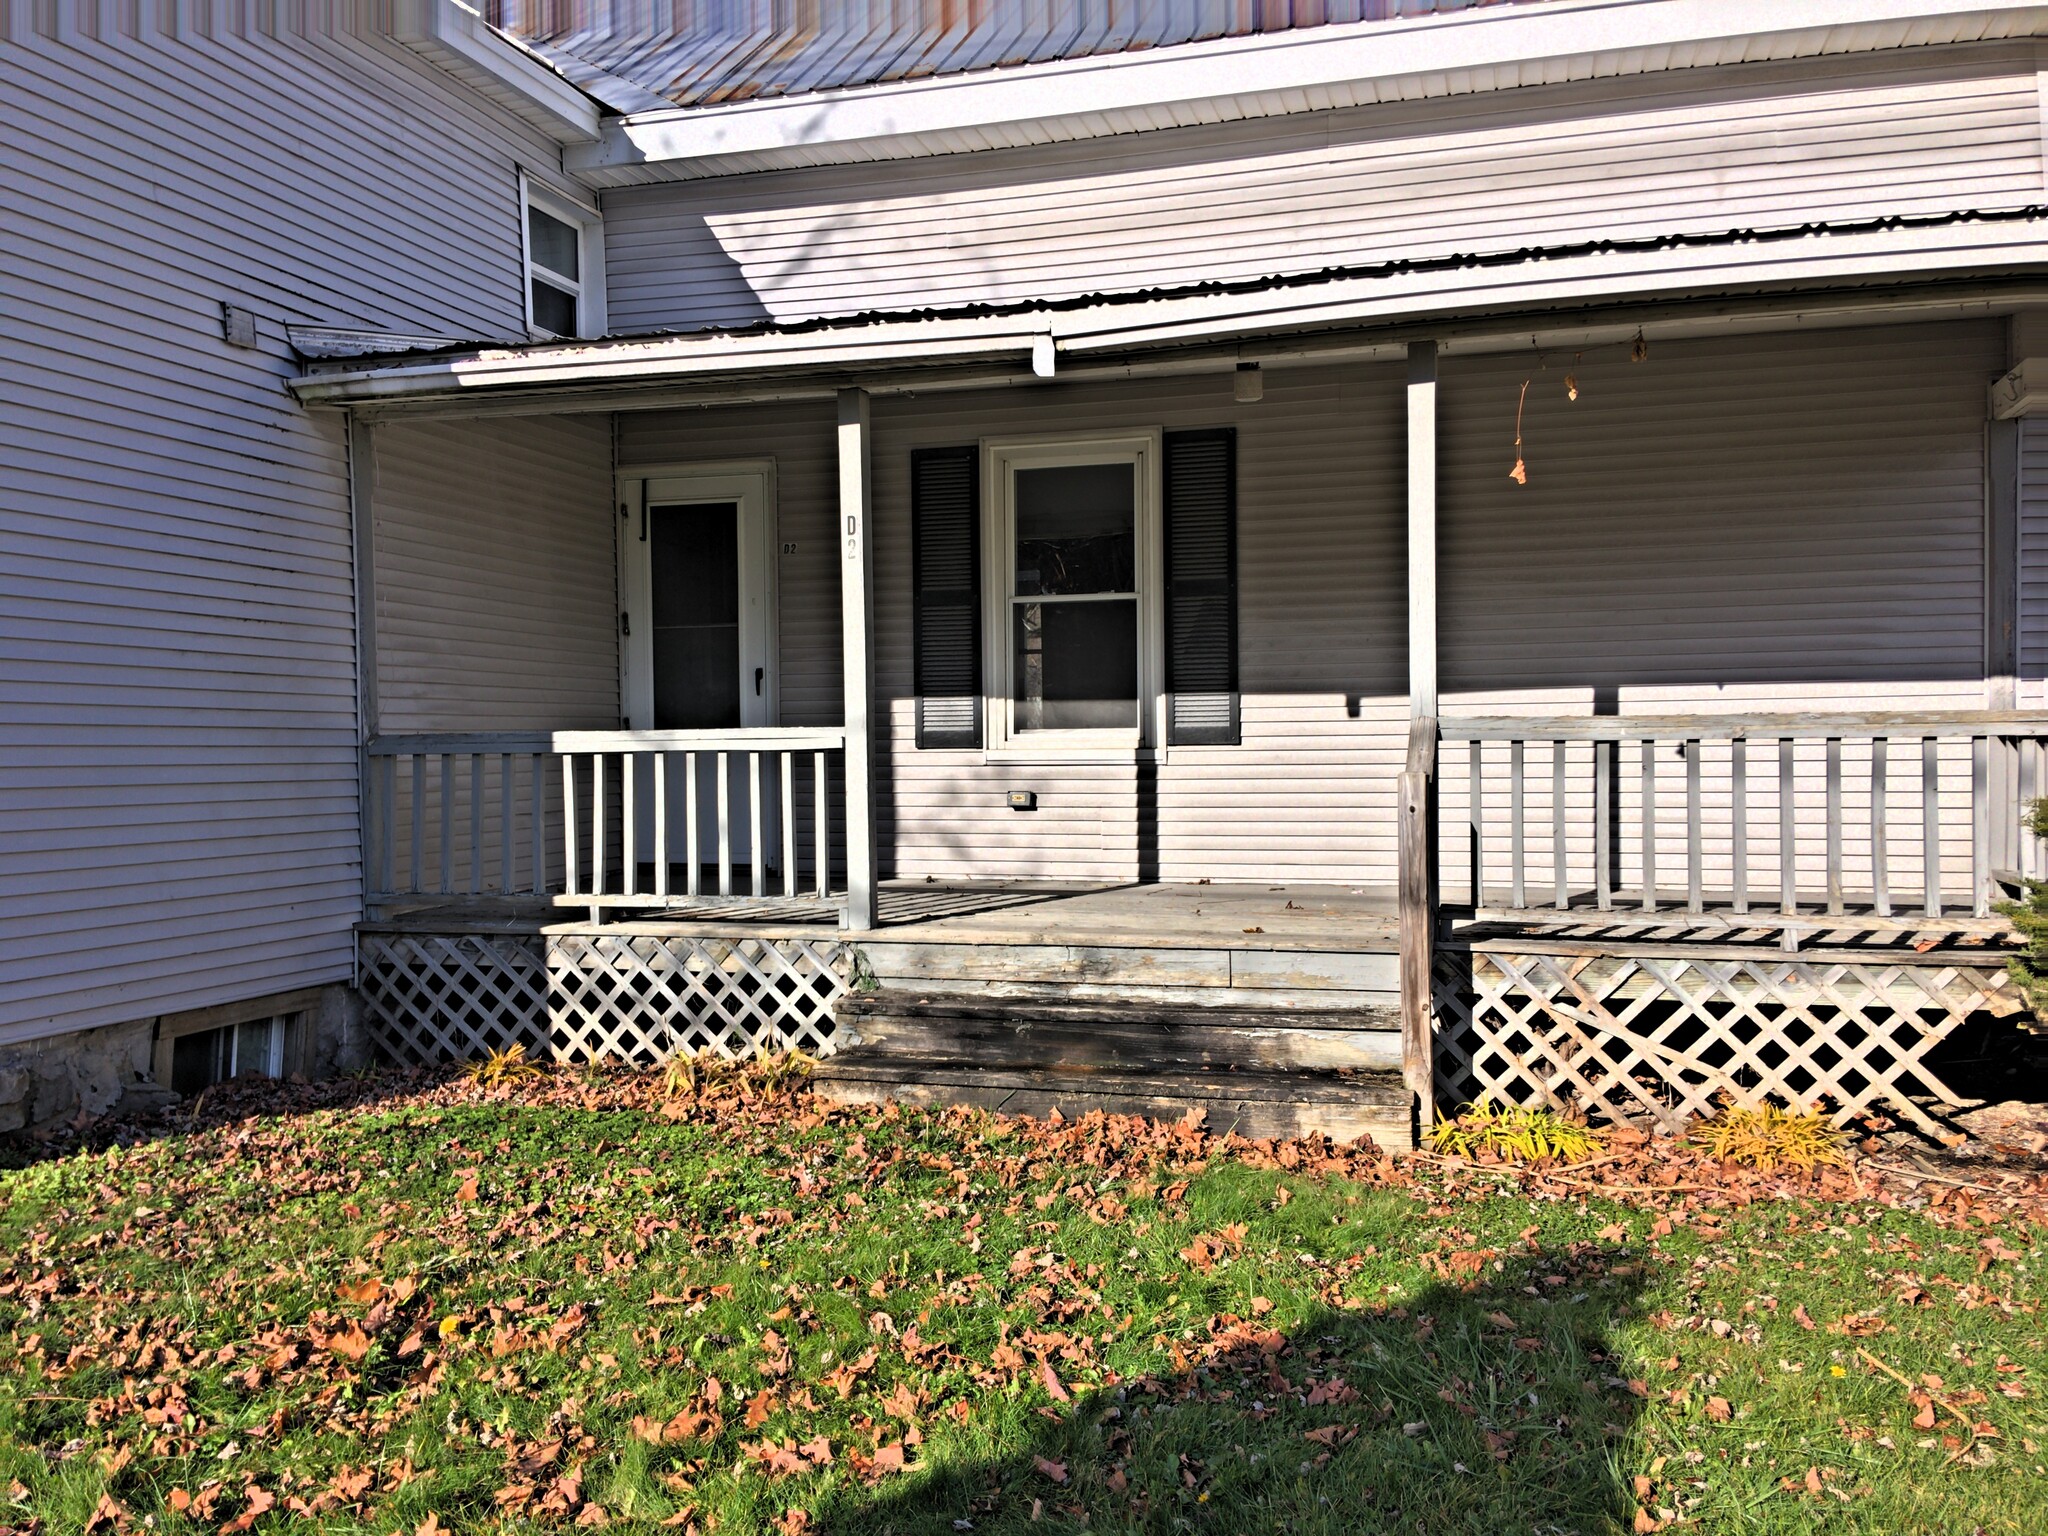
(1074, 611)
(555, 274)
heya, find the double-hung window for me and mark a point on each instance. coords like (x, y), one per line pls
(564, 266)
(1073, 609)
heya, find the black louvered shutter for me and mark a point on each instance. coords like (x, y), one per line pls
(1201, 588)
(945, 521)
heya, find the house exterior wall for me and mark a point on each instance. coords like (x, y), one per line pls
(1693, 152)
(178, 796)
(2032, 686)
(1767, 522)
(497, 607)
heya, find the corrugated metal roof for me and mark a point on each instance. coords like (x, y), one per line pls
(2033, 213)
(708, 52)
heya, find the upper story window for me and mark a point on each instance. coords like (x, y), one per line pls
(564, 266)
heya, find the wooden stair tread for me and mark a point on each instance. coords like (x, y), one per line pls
(1245, 1084)
(1052, 1008)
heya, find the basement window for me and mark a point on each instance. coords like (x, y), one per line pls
(209, 1056)
(564, 267)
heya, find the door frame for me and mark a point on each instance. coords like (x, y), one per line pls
(751, 484)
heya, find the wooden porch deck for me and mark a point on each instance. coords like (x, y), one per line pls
(1168, 916)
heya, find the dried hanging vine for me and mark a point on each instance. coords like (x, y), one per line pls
(1638, 352)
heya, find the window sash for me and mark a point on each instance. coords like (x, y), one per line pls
(1002, 461)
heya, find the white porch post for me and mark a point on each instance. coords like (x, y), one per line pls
(1417, 804)
(857, 611)
(1421, 529)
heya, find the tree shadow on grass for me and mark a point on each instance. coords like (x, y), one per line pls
(1490, 1404)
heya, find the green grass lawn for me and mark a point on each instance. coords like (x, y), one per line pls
(402, 1305)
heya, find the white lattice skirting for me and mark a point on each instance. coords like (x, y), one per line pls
(434, 998)
(1661, 1039)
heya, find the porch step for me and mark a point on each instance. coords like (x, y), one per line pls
(1215, 974)
(1260, 1072)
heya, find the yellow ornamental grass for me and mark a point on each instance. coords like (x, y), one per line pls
(1771, 1138)
(501, 1068)
(1514, 1133)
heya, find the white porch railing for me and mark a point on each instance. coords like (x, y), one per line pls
(1788, 821)
(646, 820)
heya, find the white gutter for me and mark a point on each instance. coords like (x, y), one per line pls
(458, 40)
(1266, 75)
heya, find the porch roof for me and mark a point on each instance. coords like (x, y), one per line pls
(1975, 260)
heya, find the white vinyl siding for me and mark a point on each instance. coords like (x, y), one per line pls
(1693, 152)
(178, 797)
(1790, 521)
(1786, 521)
(2033, 609)
(496, 602)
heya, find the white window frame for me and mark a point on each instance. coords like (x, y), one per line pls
(751, 484)
(589, 224)
(1000, 459)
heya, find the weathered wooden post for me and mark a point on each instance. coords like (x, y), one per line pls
(1418, 915)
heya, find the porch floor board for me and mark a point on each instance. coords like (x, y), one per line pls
(1323, 918)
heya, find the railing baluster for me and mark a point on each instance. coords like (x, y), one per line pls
(571, 864)
(821, 822)
(693, 854)
(1603, 793)
(1834, 824)
(1980, 825)
(1518, 894)
(1649, 824)
(600, 824)
(1788, 828)
(1930, 825)
(537, 793)
(788, 823)
(387, 815)
(1738, 821)
(629, 823)
(755, 834)
(447, 823)
(1560, 870)
(724, 827)
(2026, 807)
(1475, 802)
(2022, 838)
(661, 823)
(476, 823)
(1695, 849)
(416, 850)
(1880, 861)
(508, 874)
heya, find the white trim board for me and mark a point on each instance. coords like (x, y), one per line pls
(456, 38)
(1270, 74)
(1000, 457)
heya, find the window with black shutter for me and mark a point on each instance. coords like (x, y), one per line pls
(1199, 480)
(945, 515)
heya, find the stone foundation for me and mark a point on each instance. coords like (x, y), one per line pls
(114, 1070)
